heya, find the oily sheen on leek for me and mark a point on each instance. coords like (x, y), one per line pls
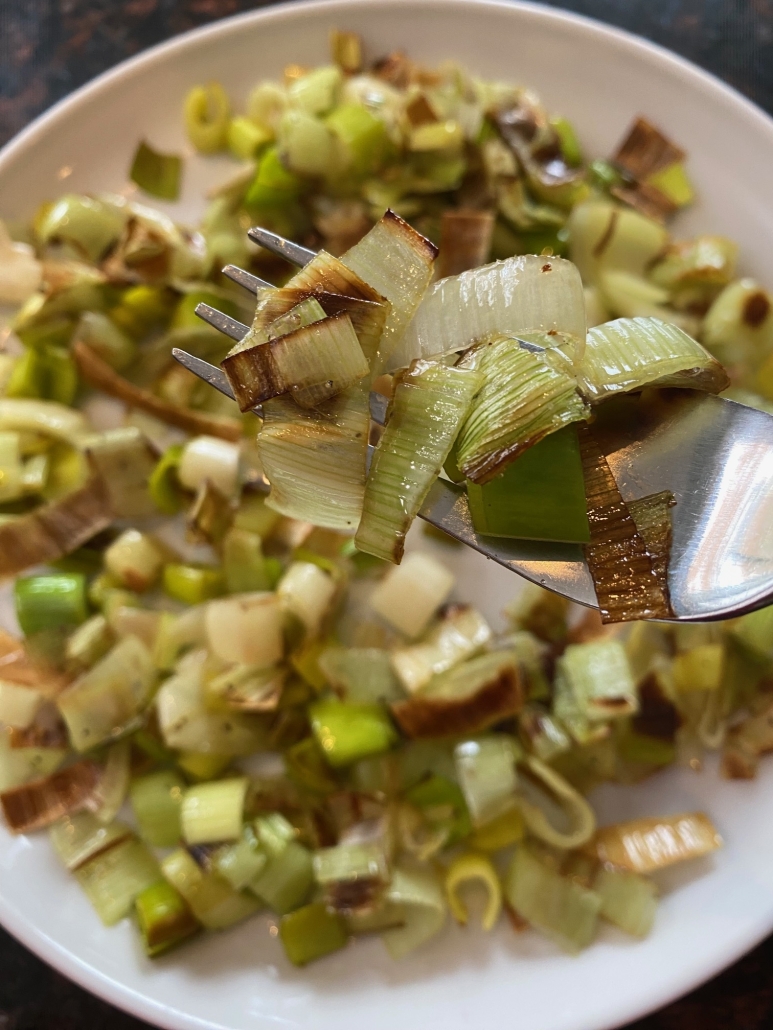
(430, 402)
(524, 397)
(315, 460)
(398, 262)
(507, 297)
(631, 353)
(312, 363)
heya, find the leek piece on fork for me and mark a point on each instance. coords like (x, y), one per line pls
(430, 402)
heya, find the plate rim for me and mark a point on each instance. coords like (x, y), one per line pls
(86, 976)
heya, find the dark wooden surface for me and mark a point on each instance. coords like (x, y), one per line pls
(47, 48)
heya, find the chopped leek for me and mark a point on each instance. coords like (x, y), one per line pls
(557, 906)
(114, 879)
(192, 584)
(207, 109)
(104, 701)
(307, 592)
(163, 918)
(577, 811)
(134, 560)
(408, 596)
(362, 675)
(213, 902)
(418, 898)
(627, 900)
(347, 732)
(465, 699)
(287, 880)
(246, 628)
(156, 801)
(81, 836)
(213, 811)
(46, 602)
(472, 868)
(599, 676)
(311, 932)
(460, 634)
(163, 483)
(156, 173)
(643, 845)
(428, 407)
(487, 776)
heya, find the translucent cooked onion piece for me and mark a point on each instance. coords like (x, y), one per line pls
(466, 699)
(96, 371)
(42, 802)
(524, 397)
(627, 586)
(315, 460)
(521, 293)
(631, 353)
(398, 262)
(644, 845)
(313, 364)
(429, 404)
(55, 529)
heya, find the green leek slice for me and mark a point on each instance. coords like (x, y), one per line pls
(430, 403)
(156, 173)
(631, 353)
(525, 397)
(540, 496)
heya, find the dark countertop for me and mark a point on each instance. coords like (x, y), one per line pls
(47, 49)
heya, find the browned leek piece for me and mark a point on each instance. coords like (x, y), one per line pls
(465, 241)
(644, 845)
(251, 366)
(652, 516)
(98, 373)
(40, 803)
(623, 571)
(427, 716)
(55, 529)
(643, 152)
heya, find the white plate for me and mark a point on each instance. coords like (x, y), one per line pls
(599, 78)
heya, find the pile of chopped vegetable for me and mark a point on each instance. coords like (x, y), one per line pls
(222, 701)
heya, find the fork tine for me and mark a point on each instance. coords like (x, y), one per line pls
(209, 373)
(222, 322)
(246, 279)
(276, 244)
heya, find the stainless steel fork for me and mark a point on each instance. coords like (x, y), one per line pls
(714, 455)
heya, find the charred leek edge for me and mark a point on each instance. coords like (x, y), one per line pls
(507, 297)
(631, 353)
(466, 699)
(125, 460)
(627, 587)
(646, 150)
(312, 364)
(465, 241)
(98, 373)
(579, 813)
(81, 836)
(523, 398)
(55, 529)
(41, 802)
(472, 868)
(315, 461)
(398, 262)
(557, 906)
(599, 675)
(644, 845)
(429, 404)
